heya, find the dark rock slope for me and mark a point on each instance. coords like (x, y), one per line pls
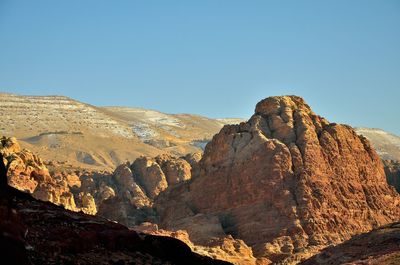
(378, 247)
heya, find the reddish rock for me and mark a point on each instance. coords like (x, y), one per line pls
(287, 183)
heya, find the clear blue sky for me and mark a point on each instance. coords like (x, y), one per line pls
(215, 58)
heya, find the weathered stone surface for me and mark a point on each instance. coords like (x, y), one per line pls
(128, 188)
(287, 183)
(176, 170)
(148, 173)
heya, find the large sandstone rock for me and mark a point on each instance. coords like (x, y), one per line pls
(287, 183)
(156, 174)
(176, 170)
(150, 176)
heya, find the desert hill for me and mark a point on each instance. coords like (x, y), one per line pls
(387, 145)
(98, 138)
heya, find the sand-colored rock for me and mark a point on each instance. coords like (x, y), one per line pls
(176, 170)
(148, 174)
(128, 188)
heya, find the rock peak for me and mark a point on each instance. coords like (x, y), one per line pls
(277, 104)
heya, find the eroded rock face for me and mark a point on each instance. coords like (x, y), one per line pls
(150, 176)
(156, 174)
(287, 183)
(176, 170)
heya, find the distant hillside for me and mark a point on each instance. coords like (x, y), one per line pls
(81, 135)
(386, 144)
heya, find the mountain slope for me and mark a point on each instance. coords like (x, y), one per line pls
(84, 136)
(387, 145)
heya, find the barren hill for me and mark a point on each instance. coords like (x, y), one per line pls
(387, 145)
(90, 137)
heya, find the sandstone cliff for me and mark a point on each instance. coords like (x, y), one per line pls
(287, 183)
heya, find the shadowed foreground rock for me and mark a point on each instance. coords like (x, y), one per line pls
(378, 247)
(36, 232)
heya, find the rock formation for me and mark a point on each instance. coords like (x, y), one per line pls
(28, 173)
(35, 232)
(287, 183)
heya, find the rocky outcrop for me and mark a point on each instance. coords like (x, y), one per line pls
(287, 183)
(36, 232)
(378, 247)
(28, 173)
(156, 174)
(392, 170)
(176, 170)
(150, 176)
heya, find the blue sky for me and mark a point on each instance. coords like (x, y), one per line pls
(215, 58)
